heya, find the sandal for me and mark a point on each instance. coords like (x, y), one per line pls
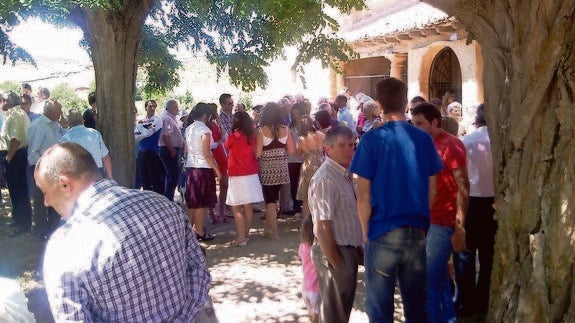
(238, 243)
(205, 237)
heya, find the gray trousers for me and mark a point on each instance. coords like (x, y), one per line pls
(336, 286)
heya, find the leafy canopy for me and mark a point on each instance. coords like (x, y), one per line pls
(240, 38)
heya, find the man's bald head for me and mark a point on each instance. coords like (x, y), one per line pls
(64, 171)
(68, 159)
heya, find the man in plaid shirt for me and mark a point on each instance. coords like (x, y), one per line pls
(123, 255)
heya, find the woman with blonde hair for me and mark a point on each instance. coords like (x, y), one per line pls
(371, 113)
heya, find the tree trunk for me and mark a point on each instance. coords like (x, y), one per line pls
(529, 86)
(114, 38)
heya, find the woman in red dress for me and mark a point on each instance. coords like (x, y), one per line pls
(220, 155)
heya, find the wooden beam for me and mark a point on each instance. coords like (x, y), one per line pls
(445, 29)
(391, 39)
(404, 36)
(416, 33)
(430, 32)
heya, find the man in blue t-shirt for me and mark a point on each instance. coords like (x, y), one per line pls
(395, 164)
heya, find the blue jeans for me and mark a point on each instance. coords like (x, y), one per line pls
(440, 306)
(397, 255)
(172, 166)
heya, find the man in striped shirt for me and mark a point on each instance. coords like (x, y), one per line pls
(337, 248)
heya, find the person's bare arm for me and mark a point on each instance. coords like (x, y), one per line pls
(462, 180)
(14, 146)
(363, 204)
(206, 143)
(301, 147)
(327, 243)
(169, 145)
(259, 143)
(432, 191)
(107, 161)
(290, 147)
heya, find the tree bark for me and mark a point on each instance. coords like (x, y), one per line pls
(529, 86)
(114, 38)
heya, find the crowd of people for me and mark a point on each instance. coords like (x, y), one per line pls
(396, 186)
(30, 125)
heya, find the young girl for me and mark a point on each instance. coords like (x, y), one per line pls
(244, 183)
(310, 288)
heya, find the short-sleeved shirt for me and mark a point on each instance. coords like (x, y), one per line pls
(227, 121)
(194, 133)
(332, 197)
(345, 116)
(125, 255)
(171, 129)
(452, 153)
(241, 155)
(15, 126)
(90, 139)
(479, 163)
(398, 159)
(42, 134)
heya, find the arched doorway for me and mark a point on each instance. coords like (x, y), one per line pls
(445, 74)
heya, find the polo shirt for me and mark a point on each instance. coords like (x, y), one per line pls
(15, 126)
(90, 139)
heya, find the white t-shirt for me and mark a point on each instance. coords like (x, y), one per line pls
(38, 107)
(193, 136)
(479, 163)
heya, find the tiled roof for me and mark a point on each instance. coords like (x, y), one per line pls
(418, 16)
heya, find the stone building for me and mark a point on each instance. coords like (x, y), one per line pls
(415, 42)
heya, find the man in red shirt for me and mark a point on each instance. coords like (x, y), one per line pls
(447, 212)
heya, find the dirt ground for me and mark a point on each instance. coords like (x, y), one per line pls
(259, 282)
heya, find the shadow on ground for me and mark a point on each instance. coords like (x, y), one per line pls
(260, 282)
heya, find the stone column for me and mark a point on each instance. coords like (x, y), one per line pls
(337, 81)
(398, 65)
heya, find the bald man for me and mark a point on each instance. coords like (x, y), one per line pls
(122, 255)
(43, 133)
